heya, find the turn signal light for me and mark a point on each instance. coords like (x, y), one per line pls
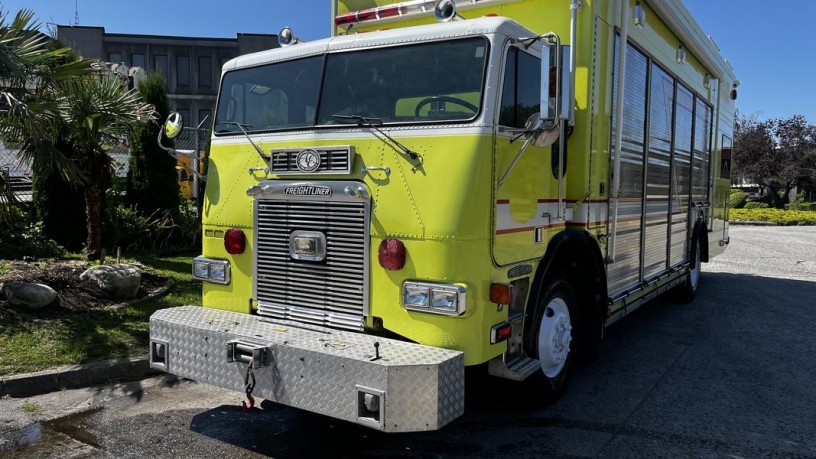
(392, 254)
(235, 241)
(501, 293)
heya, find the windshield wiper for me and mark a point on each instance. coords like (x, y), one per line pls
(372, 123)
(257, 148)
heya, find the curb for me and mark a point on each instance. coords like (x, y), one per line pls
(75, 376)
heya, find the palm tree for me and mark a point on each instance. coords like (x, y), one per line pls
(30, 67)
(98, 112)
(52, 97)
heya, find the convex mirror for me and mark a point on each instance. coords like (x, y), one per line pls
(174, 125)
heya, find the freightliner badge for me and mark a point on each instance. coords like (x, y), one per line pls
(307, 190)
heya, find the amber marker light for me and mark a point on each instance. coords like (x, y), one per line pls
(501, 293)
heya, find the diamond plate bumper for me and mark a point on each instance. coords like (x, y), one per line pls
(326, 371)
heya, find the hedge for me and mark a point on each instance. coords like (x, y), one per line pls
(778, 216)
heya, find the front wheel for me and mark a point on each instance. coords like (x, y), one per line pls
(555, 341)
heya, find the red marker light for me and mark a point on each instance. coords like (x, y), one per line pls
(392, 254)
(235, 241)
(500, 333)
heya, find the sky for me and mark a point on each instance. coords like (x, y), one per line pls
(771, 45)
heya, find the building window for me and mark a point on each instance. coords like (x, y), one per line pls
(160, 65)
(137, 60)
(183, 70)
(204, 116)
(205, 71)
(185, 115)
(114, 58)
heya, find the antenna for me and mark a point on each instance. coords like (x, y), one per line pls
(76, 12)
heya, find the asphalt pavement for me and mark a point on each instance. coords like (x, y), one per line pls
(729, 375)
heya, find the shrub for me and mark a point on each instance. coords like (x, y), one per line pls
(152, 182)
(756, 205)
(26, 239)
(738, 198)
(778, 216)
(61, 206)
(132, 230)
(799, 203)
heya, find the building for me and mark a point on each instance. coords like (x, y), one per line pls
(190, 65)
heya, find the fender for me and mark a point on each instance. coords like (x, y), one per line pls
(576, 255)
(700, 231)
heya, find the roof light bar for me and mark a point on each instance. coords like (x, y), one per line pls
(412, 8)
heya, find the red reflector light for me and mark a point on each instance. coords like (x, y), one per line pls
(345, 19)
(366, 15)
(500, 333)
(234, 241)
(392, 254)
(501, 293)
(389, 12)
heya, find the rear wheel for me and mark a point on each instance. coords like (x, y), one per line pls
(688, 289)
(555, 342)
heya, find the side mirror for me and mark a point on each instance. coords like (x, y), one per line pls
(554, 95)
(445, 10)
(173, 125)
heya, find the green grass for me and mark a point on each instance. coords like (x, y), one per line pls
(778, 216)
(31, 344)
(31, 408)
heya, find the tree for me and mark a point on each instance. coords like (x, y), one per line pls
(152, 182)
(30, 68)
(98, 112)
(778, 154)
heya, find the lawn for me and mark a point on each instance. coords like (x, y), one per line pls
(30, 344)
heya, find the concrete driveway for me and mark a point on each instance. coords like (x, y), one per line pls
(729, 375)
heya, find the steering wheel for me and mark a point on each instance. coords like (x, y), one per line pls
(451, 99)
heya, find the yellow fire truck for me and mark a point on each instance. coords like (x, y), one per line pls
(444, 184)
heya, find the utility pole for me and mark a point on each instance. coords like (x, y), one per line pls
(76, 13)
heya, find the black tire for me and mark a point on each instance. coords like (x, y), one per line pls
(550, 381)
(686, 291)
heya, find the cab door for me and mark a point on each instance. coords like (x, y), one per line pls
(525, 204)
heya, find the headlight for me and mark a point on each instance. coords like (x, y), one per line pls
(215, 271)
(416, 297)
(201, 270)
(445, 299)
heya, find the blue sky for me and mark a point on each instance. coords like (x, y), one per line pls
(772, 47)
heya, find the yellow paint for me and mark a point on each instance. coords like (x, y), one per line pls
(444, 209)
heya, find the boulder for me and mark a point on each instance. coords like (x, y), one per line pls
(120, 281)
(32, 296)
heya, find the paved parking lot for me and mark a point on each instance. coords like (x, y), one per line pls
(729, 375)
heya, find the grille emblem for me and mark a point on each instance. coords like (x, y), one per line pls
(308, 160)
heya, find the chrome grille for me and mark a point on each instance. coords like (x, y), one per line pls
(333, 160)
(331, 292)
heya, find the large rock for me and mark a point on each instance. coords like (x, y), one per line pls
(121, 281)
(32, 296)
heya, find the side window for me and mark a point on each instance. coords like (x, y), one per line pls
(521, 92)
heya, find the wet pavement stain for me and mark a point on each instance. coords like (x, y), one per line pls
(63, 437)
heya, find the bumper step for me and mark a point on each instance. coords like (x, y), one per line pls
(381, 383)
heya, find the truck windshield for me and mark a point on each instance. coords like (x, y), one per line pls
(422, 83)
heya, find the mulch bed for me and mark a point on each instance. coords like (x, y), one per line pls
(73, 295)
